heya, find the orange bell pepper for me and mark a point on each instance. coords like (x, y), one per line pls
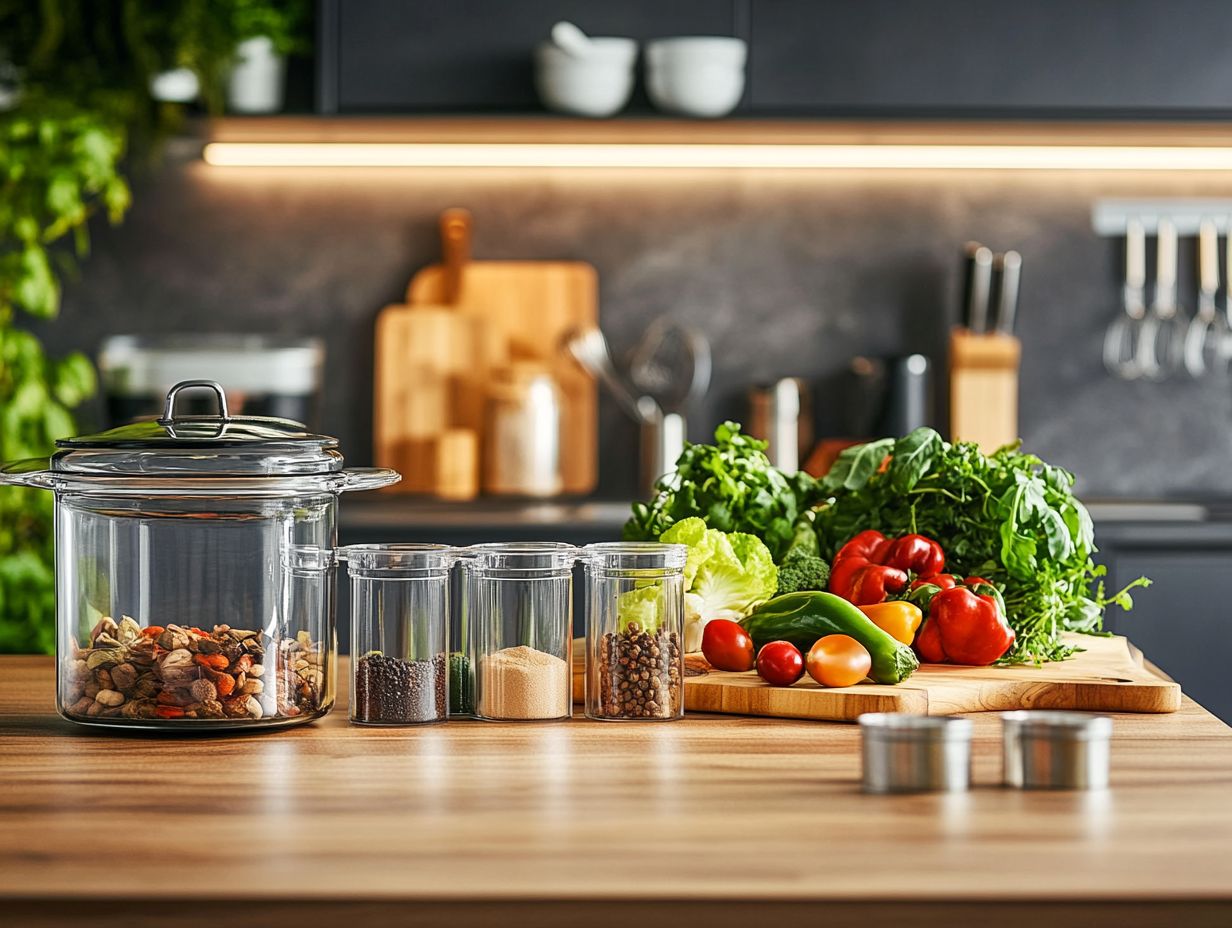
(899, 617)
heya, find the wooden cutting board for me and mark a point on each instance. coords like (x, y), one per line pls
(522, 311)
(1108, 676)
(423, 381)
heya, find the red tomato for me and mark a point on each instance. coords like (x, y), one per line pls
(727, 646)
(780, 663)
(838, 660)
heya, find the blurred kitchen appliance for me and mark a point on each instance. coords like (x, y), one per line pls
(482, 316)
(781, 414)
(522, 451)
(892, 395)
(266, 375)
(984, 354)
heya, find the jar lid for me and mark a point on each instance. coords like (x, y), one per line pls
(212, 446)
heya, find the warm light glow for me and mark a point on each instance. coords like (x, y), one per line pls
(719, 155)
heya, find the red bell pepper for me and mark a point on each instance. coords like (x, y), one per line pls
(872, 583)
(869, 544)
(867, 569)
(916, 554)
(965, 625)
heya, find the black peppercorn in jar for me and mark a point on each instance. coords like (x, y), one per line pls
(399, 630)
(634, 632)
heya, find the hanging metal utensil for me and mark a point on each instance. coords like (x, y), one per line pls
(590, 349)
(1121, 338)
(1161, 339)
(672, 364)
(1208, 331)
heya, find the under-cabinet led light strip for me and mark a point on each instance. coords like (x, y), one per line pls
(719, 155)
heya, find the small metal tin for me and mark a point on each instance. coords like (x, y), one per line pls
(915, 753)
(1055, 750)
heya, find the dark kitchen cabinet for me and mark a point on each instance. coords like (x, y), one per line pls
(957, 58)
(1182, 622)
(971, 57)
(474, 55)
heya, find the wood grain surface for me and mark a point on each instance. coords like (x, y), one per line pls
(715, 819)
(1108, 676)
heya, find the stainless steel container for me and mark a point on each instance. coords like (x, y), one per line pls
(781, 414)
(1055, 750)
(905, 753)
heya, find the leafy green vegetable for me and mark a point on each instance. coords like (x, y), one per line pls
(1007, 516)
(643, 605)
(733, 487)
(726, 575)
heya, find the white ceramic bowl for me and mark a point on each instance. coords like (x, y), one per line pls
(597, 85)
(696, 75)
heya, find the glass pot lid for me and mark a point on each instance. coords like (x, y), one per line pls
(220, 445)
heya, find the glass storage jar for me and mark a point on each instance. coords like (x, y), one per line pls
(520, 601)
(399, 632)
(634, 631)
(194, 569)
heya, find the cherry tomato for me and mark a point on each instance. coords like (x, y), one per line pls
(838, 660)
(780, 663)
(727, 646)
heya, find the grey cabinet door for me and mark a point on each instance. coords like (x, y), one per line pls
(1182, 622)
(973, 57)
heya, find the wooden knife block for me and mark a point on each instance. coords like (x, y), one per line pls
(984, 388)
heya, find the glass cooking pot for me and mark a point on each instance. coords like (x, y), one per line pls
(195, 569)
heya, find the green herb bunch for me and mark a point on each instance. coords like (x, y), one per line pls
(733, 486)
(1008, 517)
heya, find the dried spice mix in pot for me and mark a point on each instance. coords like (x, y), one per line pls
(176, 673)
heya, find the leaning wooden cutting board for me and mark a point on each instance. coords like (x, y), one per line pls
(1107, 677)
(525, 309)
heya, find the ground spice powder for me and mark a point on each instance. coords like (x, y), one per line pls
(523, 683)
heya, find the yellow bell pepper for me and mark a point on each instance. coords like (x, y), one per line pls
(900, 618)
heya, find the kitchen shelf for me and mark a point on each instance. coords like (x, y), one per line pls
(515, 129)
(539, 141)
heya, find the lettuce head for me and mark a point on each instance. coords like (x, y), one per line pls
(726, 575)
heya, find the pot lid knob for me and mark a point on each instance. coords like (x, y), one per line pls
(168, 416)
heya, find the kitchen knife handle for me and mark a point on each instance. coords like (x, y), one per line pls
(1009, 266)
(978, 287)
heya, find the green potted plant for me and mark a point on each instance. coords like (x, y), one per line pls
(76, 109)
(266, 33)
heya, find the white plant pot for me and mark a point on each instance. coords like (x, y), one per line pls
(179, 85)
(258, 80)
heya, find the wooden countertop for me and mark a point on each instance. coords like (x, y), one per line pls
(721, 819)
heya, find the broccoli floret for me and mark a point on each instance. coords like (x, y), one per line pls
(800, 571)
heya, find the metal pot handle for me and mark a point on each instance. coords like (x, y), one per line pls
(32, 472)
(168, 417)
(366, 478)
